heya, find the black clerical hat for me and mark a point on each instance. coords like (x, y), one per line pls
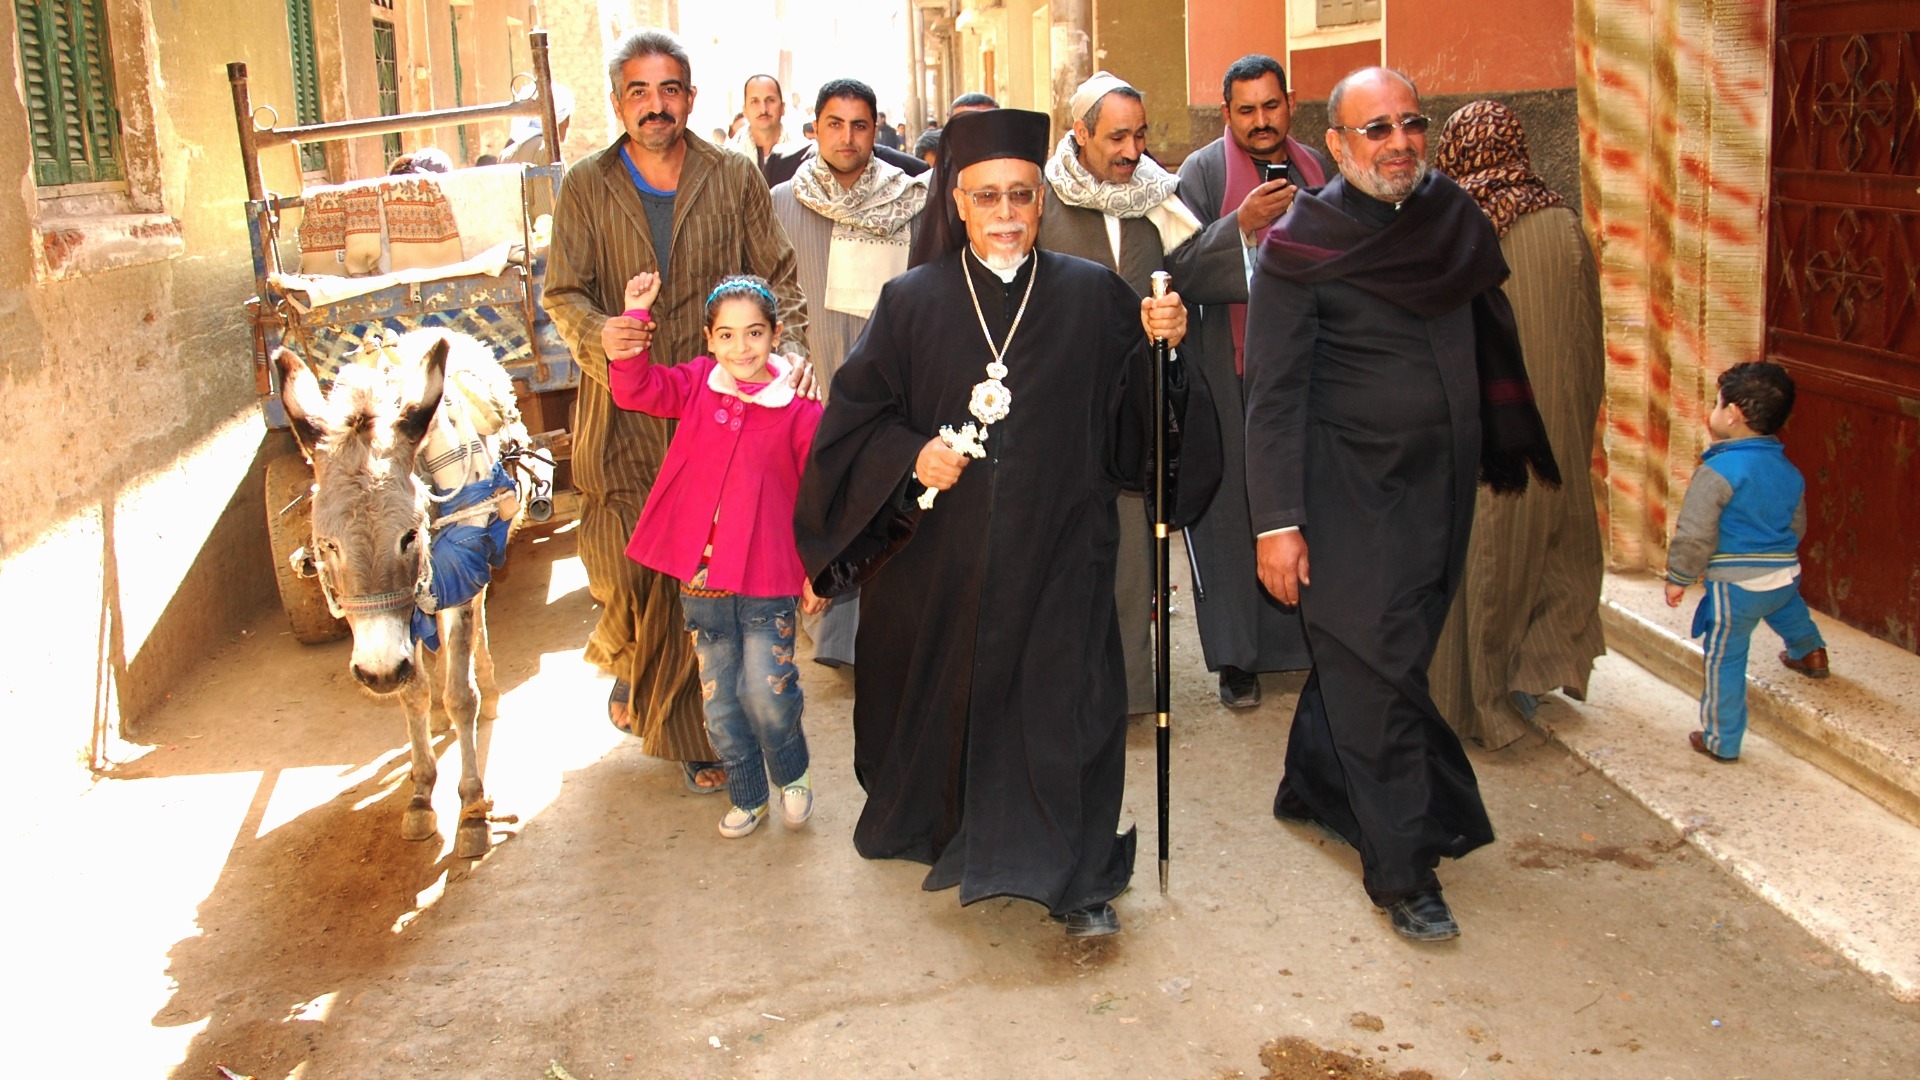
(969, 139)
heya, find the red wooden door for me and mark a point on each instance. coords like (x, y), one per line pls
(1843, 297)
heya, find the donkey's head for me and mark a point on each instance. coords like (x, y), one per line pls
(369, 513)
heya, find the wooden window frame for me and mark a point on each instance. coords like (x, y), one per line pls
(1336, 14)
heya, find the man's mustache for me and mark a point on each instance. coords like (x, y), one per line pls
(667, 116)
(1125, 162)
(1263, 131)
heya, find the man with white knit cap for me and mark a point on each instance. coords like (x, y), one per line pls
(1109, 202)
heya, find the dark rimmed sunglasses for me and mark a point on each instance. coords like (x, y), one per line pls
(1380, 129)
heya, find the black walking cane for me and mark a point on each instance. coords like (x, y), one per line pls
(1162, 677)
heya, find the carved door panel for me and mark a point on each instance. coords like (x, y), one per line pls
(1843, 298)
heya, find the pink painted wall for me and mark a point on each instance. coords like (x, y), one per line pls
(1448, 46)
(1222, 31)
(1472, 46)
(1316, 70)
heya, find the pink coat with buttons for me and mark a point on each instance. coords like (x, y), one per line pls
(732, 471)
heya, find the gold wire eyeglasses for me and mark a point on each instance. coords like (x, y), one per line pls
(989, 198)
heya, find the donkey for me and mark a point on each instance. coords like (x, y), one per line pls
(372, 530)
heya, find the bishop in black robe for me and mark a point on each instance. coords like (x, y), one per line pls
(990, 699)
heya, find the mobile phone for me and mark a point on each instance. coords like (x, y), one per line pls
(1271, 171)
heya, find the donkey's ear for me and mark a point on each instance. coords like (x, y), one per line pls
(300, 395)
(420, 397)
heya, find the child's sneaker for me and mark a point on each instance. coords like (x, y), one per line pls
(796, 802)
(739, 823)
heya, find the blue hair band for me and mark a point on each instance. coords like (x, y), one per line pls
(738, 283)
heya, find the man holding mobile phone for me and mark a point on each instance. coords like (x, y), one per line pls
(1251, 174)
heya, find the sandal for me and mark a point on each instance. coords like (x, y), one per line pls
(692, 771)
(622, 720)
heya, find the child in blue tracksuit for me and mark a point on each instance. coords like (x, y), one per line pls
(1740, 529)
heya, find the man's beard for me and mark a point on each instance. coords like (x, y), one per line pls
(999, 259)
(1377, 185)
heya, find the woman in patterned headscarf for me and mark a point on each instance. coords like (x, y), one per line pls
(1527, 618)
(1484, 149)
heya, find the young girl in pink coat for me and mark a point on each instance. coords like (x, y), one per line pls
(720, 519)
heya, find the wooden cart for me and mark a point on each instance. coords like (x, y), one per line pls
(326, 321)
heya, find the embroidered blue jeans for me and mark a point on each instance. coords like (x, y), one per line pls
(751, 689)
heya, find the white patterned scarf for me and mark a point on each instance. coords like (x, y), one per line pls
(872, 228)
(1151, 194)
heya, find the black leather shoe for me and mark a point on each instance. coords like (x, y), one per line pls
(1424, 916)
(1239, 689)
(1098, 920)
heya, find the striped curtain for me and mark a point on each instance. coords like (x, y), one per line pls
(1674, 120)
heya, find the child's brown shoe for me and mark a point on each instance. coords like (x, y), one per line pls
(1699, 744)
(1813, 665)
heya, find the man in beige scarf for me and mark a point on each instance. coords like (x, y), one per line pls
(1110, 203)
(850, 216)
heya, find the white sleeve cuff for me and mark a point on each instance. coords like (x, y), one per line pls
(1277, 532)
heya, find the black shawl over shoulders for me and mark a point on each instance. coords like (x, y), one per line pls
(1438, 254)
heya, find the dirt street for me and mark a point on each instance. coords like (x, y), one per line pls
(240, 895)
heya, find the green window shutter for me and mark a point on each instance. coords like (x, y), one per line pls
(67, 69)
(306, 78)
(66, 80)
(95, 71)
(386, 70)
(43, 96)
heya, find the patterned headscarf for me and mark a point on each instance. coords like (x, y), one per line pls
(1484, 150)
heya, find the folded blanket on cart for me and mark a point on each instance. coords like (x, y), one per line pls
(411, 221)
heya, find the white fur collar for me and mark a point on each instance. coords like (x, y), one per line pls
(775, 395)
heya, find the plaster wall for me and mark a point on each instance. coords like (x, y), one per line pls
(131, 533)
(1223, 31)
(580, 34)
(1128, 40)
(1460, 46)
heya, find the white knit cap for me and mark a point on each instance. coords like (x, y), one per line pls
(1100, 85)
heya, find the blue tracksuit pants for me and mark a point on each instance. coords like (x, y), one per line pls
(1727, 616)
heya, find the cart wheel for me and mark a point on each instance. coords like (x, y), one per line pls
(288, 477)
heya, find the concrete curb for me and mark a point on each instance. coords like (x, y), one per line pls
(1842, 866)
(1859, 725)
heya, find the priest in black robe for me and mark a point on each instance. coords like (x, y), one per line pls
(990, 715)
(1383, 380)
